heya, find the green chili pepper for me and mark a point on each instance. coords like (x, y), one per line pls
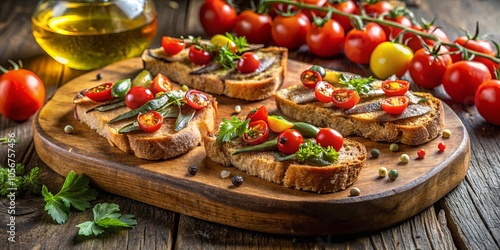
(270, 145)
(121, 88)
(144, 78)
(307, 130)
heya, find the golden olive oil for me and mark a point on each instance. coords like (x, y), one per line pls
(92, 35)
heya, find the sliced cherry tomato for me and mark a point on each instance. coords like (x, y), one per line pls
(217, 17)
(390, 58)
(197, 99)
(395, 87)
(278, 124)
(258, 114)
(257, 133)
(323, 91)
(150, 121)
(359, 44)
(461, 80)
(172, 46)
(248, 63)
(395, 105)
(160, 83)
(289, 141)
(427, 67)
(199, 56)
(310, 77)
(254, 26)
(326, 40)
(487, 101)
(330, 137)
(290, 31)
(138, 96)
(345, 98)
(100, 93)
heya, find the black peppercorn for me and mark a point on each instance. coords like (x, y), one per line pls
(193, 169)
(237, 180)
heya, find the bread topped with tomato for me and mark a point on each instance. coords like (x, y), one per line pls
(383, 111)
(294, 154)
(153, 122)
(225, 65)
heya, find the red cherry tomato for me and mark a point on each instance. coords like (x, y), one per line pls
(289, 141)
(348, 7)
(150, 121)
(248, 63)
(421, 153)
(257, 114)
(22, 93)
(376, 8)
(491, 65)
(359, 44)
(160, 83)
(461, 80)
(415, 43)
(395, 87)
(197, 99)
(138, 96)
(310, 77)
(487, 101)
(311, 13)
(330, 137)
(323, 91)
(475, 44)
(441, 146)
(290, 31)
(345, 98)
(199, 56)
(395, 105)
(217, 17)
(172, 46)
(100, 93)
(327, 40)
(254, 26)
(427, 67)
(257, 133)
(397, 17)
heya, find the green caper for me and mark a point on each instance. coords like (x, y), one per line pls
(319, 69)
(144, 78)
(184, 88)
(393, 174)
(68, 129)
(394, 147)
(375, 153)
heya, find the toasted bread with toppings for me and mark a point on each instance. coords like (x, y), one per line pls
(163, 144)
(214, 79)
(420, 123)
(320, 179)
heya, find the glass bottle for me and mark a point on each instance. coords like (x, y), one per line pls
(90, 34)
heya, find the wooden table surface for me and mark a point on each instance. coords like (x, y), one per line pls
(466, 218)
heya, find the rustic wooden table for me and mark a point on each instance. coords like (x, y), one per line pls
(466, 218)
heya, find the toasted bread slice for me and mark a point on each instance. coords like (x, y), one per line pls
(163, 144)
(375, 125)
(324, 179)
(253, 86)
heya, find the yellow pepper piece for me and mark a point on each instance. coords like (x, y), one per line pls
(332, 77)
(278, 124)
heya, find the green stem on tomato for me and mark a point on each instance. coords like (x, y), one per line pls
(301, 5)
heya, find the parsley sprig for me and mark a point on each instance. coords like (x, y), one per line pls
(232, 128)
(359, 84)
(311, 153)
(223, 55)
(74, 192)
(106, 216)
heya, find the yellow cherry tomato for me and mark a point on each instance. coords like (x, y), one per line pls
(222, 40)
(390, 58)
(278, 124)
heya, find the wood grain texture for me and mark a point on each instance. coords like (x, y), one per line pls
(166, 183)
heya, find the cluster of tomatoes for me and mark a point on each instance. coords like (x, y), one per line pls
(370, 43)
(289, 139)
(136, 93)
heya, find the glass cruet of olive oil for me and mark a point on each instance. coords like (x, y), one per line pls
(90, 34)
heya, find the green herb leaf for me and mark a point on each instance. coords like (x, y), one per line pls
(313, 154)
(74, 192)
(186, 114)
(106, 216)
(230, 129)
(361, 85)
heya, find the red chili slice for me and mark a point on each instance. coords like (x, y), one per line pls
(150, 121)
(100, 93)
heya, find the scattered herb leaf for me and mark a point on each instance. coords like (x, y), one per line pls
(106, 216)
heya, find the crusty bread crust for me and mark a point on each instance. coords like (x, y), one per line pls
(291, 174)
(410, 131)
(163, 144)
(248, 87)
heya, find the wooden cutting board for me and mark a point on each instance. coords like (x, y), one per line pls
(257, 204)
